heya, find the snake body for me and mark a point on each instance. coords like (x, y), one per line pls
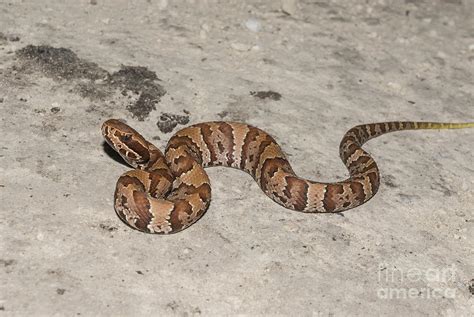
(167, 193)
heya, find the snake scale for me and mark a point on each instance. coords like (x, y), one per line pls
(167, 193)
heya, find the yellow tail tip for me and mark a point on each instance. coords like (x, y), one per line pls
(441, 125)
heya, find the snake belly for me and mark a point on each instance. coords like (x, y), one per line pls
(166, 193)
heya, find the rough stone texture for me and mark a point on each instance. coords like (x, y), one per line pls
(332, 64)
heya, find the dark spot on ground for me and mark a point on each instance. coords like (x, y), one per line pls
(273, 95)
(269, 61)
(135, 77)
(7, 262)
(223, 114)
(407, 198)
(8, 37)
(55, 110)
(350, 55)
(169, 121)
(142, 82)
(137, 85)
(142, 107)
(13, 38)
(108, 228)
(372, 21)
(389, 181)
(471, 286)
(172, 305)
(59, 62)
(55, 272)
(94, 90)
(440, 186)
(60, 291)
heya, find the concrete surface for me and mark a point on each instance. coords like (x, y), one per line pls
(304, 71)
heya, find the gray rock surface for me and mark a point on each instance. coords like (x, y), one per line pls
(305, 75)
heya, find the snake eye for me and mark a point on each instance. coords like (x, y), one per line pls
(126, 138)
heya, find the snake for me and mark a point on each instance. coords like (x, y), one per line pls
(166, 193)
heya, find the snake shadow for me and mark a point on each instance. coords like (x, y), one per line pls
(113, 154)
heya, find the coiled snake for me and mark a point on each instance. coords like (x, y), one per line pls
(167, 193)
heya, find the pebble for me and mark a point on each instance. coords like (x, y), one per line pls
(204, 30)
(253, 25)
(205, 27)
(40, 236)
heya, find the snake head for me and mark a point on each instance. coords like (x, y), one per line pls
(127, 142)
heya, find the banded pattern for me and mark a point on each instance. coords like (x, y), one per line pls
(167, 193)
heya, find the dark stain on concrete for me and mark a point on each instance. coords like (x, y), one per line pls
(142, 82)
(389, 181)
(59, 63)
(6, 263)
(55, 110)
(269, 94)
(169, 121)
(471, 287)
(136, 84)
(108, 227)
(8, 37)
